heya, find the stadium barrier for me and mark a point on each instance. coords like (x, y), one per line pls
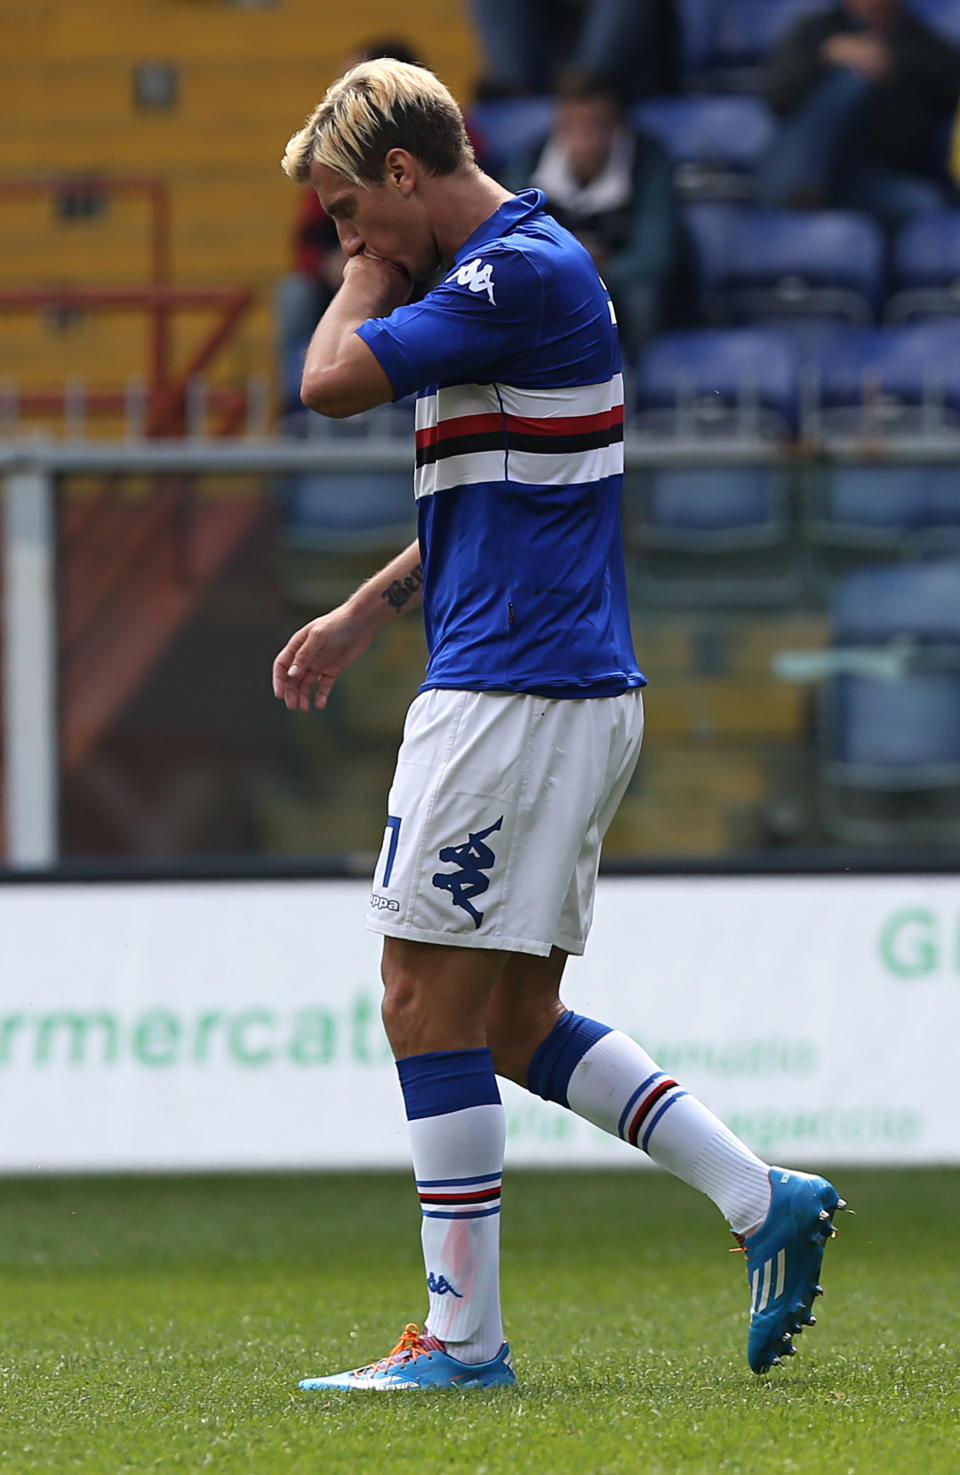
(30, 468)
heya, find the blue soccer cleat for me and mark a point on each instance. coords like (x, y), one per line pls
(783, 1263)
(421, 1362)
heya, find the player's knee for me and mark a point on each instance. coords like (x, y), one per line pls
(401, 1009)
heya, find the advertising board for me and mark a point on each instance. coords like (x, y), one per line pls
(235, 1025)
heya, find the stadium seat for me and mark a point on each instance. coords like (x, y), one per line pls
(879, 507)
(744, 379)
(348, 511)
(926, 268)
(884, 374)
(698, 24)
(891, 748)
(509, 129)
(695, 508)
(704, 534)
(725, 39)
(939, 15)
(920, 600)
(894, 734)
(714, 142)
(756, 263)
(746, 31)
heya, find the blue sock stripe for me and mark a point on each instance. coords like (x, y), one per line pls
(622, 1124)
(555, 1060)
(657, 1115)
(458, 1182)
(471, 1214)
(442, 1081)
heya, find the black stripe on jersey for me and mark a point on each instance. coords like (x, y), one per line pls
(551, 445)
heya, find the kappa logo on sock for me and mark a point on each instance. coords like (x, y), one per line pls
(468, 882)
(440, 1286)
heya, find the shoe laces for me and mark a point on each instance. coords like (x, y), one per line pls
(410, 1346)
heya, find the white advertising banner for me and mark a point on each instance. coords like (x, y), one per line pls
(215, 1025)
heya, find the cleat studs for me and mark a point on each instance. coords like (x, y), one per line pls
(817, 1291)
(775, 1362)
(841, 1204)
(811, 1320)
(823, 1214)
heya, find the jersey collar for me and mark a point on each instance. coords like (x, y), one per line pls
(503, 220)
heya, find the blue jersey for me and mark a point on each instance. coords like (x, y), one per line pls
(519, 466)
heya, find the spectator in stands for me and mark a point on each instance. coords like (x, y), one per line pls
(301, 298)
(528, 43)
(861, 88)
(611, 185)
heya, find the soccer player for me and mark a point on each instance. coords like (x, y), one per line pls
(527, 728)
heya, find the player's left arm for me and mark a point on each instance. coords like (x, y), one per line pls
(341, 375)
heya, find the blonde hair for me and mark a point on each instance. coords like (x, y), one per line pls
(377, 106)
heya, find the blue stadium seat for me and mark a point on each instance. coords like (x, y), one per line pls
(697, 535)
(748, 30)
(715, 142)
(706, 508)
(698, 25)
(347, 511)
(926, 268)
(893, 734)
(892, 369)
(714, 376)
(939, 15)
(921, 600)
(730, 35)
(712, 226)
(757, 263)
(880, 506)
(891, 748)
(509, 129)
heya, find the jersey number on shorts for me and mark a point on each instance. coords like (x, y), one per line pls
(393, 825)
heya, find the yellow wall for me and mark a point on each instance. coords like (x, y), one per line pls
(247, 79)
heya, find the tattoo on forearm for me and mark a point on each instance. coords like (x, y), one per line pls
(401, 590)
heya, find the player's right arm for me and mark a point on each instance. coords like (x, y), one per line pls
(314, 656)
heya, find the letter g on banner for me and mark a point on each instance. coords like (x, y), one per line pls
(909, 943)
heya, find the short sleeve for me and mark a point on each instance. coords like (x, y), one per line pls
(483, 319)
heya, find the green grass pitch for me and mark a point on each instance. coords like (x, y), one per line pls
(162, 1324)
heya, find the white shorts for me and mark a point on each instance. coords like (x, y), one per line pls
(497, 812)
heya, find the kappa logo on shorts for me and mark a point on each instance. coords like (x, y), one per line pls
(468, 882)
(384, 903)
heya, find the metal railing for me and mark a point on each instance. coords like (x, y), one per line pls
(29, 468)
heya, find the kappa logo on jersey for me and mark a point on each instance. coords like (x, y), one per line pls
(477, 275)
(469, 882)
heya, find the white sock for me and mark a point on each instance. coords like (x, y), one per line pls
(606, 1077)
(618, 1087)
(458, 1163)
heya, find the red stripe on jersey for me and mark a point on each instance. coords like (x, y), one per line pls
(548, 425)
(430, 435)
(567, 424)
